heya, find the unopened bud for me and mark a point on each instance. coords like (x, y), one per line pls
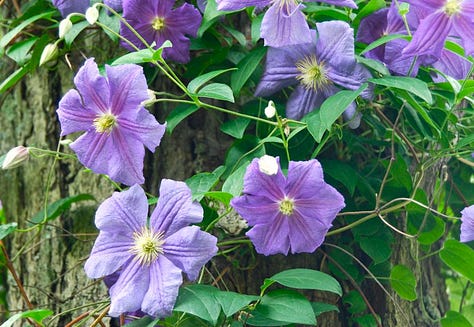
(50, 52)
(287, 130)
(151, 98)
(268, 165)
(64, 26)
(92, 15)
(15, 157)
(65, 142)
(270, 110)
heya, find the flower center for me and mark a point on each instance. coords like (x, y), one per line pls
(147, 246)
(286, 206)
(105, 123)
(158, 23)
(452, 7)
(312, 73)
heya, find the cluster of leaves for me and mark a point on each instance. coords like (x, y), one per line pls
(410, 126)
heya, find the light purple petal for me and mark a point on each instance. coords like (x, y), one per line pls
(114, 4)
(451, 64)
(306, 234)
(352, 116)
(165, 279)
(372, 28)
(190, 249)
(110, 252)
(255, 209)
(335, 44)
(73, 116)
(124, 212)
(304, 178)
(342, 3)
(464, 27)
(304, 100)
(143, 126)
(127, 293)
(272, 238)
(284, 24)
(186, 19)
(467, 224)
(67, 7)
(427, 4)
(257, 183)
(240, 4)
(175, 209)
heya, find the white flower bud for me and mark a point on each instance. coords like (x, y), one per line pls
(64, 26)
(268, 165)
(15, 157)
(270, 110)
(50, 52)
(92, 15)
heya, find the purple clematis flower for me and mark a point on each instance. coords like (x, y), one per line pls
(149, 256)
(283, 24)
(443, 18)
(291, 212)
(467, 224)
(67, 7)
(317, 68)
(157, 21)
(114, 4)
(108, 108)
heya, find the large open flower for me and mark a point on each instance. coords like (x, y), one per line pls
(157, 21)
(318, 69)
(283, 24)
(150, 255)
(117, 126)
(291, 212)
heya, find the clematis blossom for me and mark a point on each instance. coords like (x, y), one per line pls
(442, 18)
(117, 127)
(149, 256)
(318, 69)
(467, 224)
(284, 23)
(287, 213)
(67, 7)
(157, 21)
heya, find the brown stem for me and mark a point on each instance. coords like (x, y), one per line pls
(98, 320)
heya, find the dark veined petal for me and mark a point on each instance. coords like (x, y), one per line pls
(185, 19)
(73, 116)
(284, 24)
(304, 100)
(110, 252)
(175, 208)
(257, 183)
(240, 4)
(342, 3)
(127, 293)
(305, 234)
(272, 238)
(335, 45)
(255, 209)
(124, 212)
(67, 7)
(304, 178)
(164, 281)
(464, 27)
(190, 249)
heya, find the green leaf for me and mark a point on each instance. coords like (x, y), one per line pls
(307, 279)
(287, 306)
(354, 302)
(341, 172)
(459, 257)
(382, 41)
(374, 64)
(75, 30)
(245, 68)
(368, 9)
(37, 315)
(56, 208)
(7, 38)
(319, 121)
(455, 319)
(234, 184)
(239, 36)
(235, 127)
(137, 57)
(410, 84)
(403, 282)
(199, 81)
(146, 321)
(211, 15)
(199, 300)
(179, 114)
(14, 77)
(20, 51)
(320, 307)
(200, 184)
(378, 248)
(7, 229)
(222, 197)
(217, 91)
(232, 302)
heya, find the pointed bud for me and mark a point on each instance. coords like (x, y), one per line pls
(15, 157)
(92, 15)
(50, 52)
(268, 165)
(64, 26)
(270, 110)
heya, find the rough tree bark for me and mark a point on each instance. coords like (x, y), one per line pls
(50, 266)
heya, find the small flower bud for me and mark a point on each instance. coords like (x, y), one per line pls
(64, 26)
(65, 142)
(270, 110)
(50, 52)
(92, 15)
(287, 130)
(268, 165)
(151, 98)
(15, 157)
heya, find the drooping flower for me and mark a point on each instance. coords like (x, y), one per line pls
(283, 24)
(288, 213)
(149, 256)
(157, 21)
(442, 18)
(117, 127)
(318, 69)
(67, 7)
(467, 224)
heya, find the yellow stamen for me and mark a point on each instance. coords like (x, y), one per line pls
(158, 23)
(313, 73)
(147, 246)
(452, 7)
(286, 206)
(105, 123)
